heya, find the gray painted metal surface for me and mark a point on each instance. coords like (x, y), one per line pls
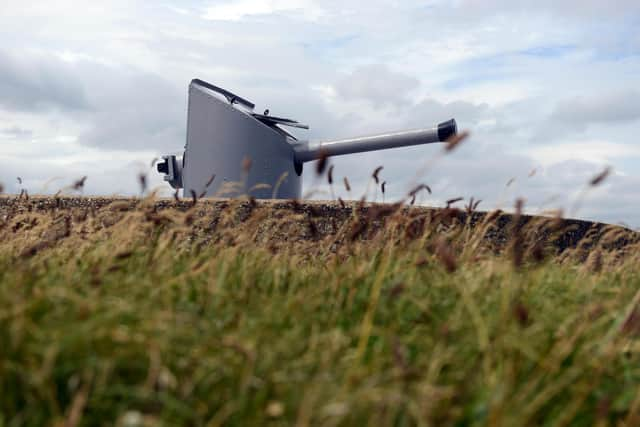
(222, 139)
(232, 151)
(307, 151)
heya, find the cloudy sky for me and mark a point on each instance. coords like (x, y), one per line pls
(550, 93)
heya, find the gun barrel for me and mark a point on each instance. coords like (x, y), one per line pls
(309, 151)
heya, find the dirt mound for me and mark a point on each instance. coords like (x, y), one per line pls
(38, 223)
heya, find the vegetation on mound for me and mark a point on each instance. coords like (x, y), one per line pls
(136, 318)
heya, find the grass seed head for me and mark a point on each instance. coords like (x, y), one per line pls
(313, 228)
(321, 164)
(631, 325)
(537, 252)
(358, 227)
(598, 179)
(79, 184)
(419, 188)
(594, 262)
(396, 290)
(446, 255)
(246, 164)
(519, 206)
(346, 184)
(517, 239)
(330, 175)
(521, 314)
(454, 200)
(375, 174)
(142, 180)
(455, 140)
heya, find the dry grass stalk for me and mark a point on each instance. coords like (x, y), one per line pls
(493, 215)
(594, 262)
(517, 240)
(357, 228)
(446, 256)
(472, 206)
(631, 324)
(207, 185)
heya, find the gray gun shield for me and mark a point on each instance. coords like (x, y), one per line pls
(220, 137)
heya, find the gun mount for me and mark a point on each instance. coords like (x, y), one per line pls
(231, 150)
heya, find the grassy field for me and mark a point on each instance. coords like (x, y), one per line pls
(173, 317)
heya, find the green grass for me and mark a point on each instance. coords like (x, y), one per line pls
(144, 329)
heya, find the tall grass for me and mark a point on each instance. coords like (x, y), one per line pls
(238, 313)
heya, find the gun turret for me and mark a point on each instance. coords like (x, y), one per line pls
(231, 150)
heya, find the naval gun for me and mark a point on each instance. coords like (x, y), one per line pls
(232, 150)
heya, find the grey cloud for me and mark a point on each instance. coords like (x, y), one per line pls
(622, 106)
(134, 110)
(16, 132)
(29, 83)
(377, 84)
(565, 8)
(120, 107)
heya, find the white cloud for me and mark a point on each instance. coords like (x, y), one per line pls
(377, 84)
(597, 152)
(237, 10)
